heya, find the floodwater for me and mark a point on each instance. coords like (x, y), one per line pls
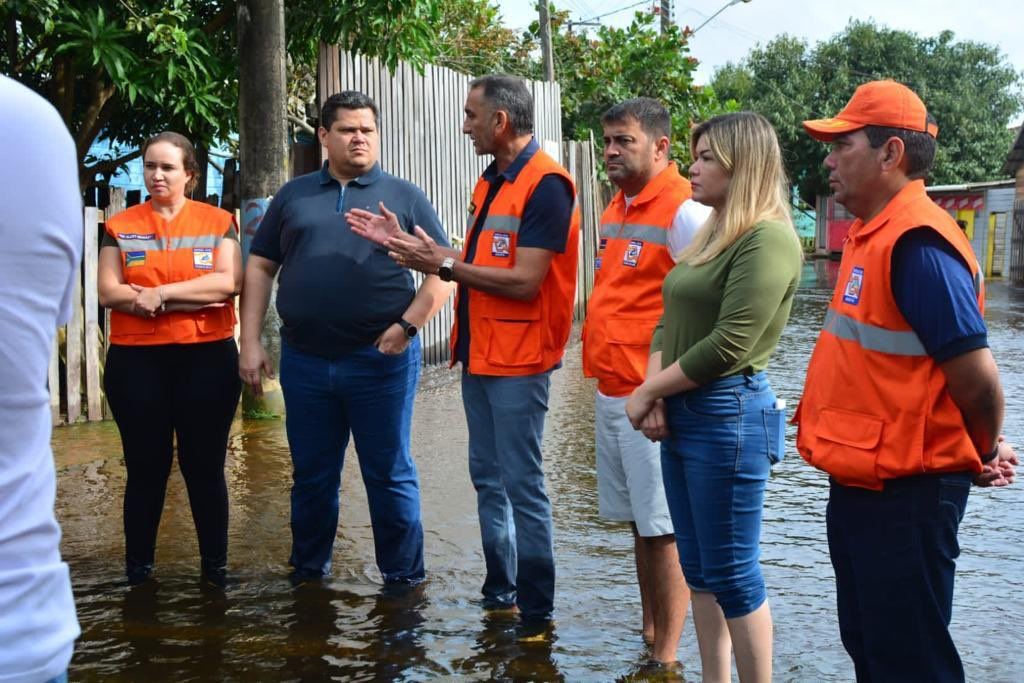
(346, 629)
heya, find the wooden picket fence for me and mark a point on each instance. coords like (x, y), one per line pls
(78, 349)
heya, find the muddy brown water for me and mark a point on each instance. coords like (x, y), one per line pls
(346, 629)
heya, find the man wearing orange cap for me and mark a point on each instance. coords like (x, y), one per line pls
(902, 404)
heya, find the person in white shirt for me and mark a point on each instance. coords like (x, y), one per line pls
(41, 234)
(648, 222)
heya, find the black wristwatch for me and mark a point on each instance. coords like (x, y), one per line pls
(446, 271)
(989, 457)
(410, 329)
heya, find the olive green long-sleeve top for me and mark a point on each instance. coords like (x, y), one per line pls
(725, 316)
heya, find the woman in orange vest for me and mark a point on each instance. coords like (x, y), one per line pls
(169, 270)
(706, 396)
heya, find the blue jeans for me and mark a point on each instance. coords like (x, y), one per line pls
(723, 439)
(505, 417)
(894, 553)
(369, 394)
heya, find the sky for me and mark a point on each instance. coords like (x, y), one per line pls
(731, 35)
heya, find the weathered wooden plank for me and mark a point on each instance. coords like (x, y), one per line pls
(53, 380)
(90, 264)
(73, 355)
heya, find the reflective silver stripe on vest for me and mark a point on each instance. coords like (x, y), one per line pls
(195, 241)
(507, 224)
(635, 231)
(158, 244)
(872, 337)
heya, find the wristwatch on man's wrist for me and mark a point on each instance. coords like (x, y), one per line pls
(446, 271)
(989, 457)
(410, 329)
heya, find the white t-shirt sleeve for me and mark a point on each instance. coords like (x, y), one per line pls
(689, 218)
(41, 234)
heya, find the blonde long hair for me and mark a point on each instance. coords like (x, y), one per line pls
(745, 144)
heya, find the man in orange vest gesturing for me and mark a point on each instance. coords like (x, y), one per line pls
(902, 405)
(516, 284)
(649, 220)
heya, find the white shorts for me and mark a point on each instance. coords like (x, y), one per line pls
(629, 484)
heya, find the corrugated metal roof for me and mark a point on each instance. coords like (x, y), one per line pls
(1015, 159)
(967, 187)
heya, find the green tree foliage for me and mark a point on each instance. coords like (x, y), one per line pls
(472, 39)
(392, 30)
(969, 87)
(129, 68)
(598, 70)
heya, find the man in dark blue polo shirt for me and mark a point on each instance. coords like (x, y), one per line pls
(350, 355)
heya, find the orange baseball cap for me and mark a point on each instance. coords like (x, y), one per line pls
(878, 103)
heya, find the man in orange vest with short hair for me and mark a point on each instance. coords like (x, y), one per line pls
(902, 404)
(649, 220)
(517, 283)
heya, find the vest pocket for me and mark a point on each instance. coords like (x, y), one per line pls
(513, 342)
(847, 446)
(629, 343)
(214, 320)
(126, 324)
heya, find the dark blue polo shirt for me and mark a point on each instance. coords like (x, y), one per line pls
(544, 224)
(934, 291)
(338, 291)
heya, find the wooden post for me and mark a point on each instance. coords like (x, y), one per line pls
(54, 381)
(262, 148)
(545, 41)
(90, 265)
(73, 355)
(118, 203)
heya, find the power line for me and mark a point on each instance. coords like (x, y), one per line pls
(616, 11)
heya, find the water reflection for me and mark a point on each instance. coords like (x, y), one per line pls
(347, 628)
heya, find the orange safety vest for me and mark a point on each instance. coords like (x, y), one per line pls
(509, 337)
(155, 252)
(875, 405)
(632, 261)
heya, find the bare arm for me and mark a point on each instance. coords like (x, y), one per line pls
(522, 281)
(973, 382)
(428, 301)
(419, 252)
(225, 281)
(212, 288)
(259, 282)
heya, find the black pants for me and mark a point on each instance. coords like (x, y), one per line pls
(157, 393)
(894, 553)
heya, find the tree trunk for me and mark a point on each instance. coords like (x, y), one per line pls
(262, 150)
(202, 161)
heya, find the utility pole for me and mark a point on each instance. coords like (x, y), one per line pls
(262, 149)
(666, 15)
(545, 40)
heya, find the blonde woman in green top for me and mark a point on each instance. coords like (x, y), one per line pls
(706, 397)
